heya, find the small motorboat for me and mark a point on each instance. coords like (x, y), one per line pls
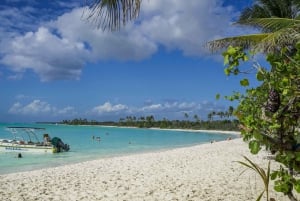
(25, 139)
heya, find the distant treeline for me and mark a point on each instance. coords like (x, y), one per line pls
(150, 122)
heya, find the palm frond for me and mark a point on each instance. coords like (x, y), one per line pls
(271, 8)
(286, 33)
(265, 176)
(111, 14)
(255, 11)
(270, 24)
(283, 38)
(244, 41)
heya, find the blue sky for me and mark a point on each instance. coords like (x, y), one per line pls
(54, 65)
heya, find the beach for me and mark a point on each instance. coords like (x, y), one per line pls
(203, 172)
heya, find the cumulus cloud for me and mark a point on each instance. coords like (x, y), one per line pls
(128, 44)
(35, 107)
(59, 49)
(51, 57)
(109, 111)
(185, 25)
(39, 108)
(109, 108)
(67, 111)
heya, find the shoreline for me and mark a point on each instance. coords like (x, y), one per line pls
(201, 131)
(175, 129)
(202, 172)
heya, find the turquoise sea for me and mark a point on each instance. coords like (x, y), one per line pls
(115, 141)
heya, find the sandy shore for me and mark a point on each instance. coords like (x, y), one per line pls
(199, 173)
(202, 131)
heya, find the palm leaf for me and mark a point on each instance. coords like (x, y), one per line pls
(287, 34)
(271, 8)
(270, 24)
(111, 14)
(260, 195)
(244, 41)
(280, 39)
(265, 176)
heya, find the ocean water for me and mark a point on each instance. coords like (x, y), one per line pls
(115, 141)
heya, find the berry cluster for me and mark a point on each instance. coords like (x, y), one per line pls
(273, 101)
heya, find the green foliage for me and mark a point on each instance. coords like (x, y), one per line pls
(232, 58)
(270, 113)
(244, 82)
(254, 146)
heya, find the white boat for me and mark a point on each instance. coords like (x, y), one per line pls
(25, 139)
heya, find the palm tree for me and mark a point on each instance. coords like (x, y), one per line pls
(111, 14)
(210, 116)
(230, 111)
(186, 115)
(279, 21)
(196, 118)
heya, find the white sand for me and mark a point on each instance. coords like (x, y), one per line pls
(200, 173)
(201, 131)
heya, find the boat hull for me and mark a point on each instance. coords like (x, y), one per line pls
(12, 147)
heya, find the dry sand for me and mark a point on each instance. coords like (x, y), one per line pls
(203, 172)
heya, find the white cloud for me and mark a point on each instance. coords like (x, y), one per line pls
(69, 111)
(185, 25)
(40, 108)
(60, 49)
(128, 44)
(152, 107)
(108, 111)
(109, 108)
(33, 108)
(49, 56)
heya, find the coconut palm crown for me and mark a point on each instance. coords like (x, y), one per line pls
(278, 20)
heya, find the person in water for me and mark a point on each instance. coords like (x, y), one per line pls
(19, 155)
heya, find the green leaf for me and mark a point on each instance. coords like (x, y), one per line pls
(285, 92)
(274, 175)
(297, 186)
(257, 136)
(281, 187)
(297, 155)
(260, 76)
(226, 59)
(226, 71)
(254, 146)
(285, 81)
(231, 50)
(244, 82)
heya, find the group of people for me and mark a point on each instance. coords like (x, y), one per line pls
(229, 138)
